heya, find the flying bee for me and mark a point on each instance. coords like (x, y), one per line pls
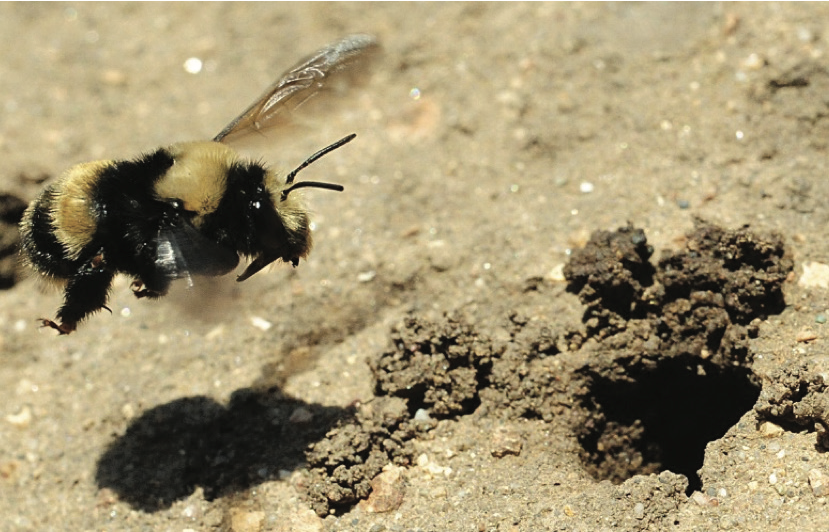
(191, 208)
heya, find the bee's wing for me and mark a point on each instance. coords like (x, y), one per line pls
(181, 252)
(315, 73)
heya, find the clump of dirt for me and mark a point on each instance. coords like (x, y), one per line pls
(435, 366)
(528, 379)
(610, 276)
(343, 464)
(674, 376)
(699, 301)
(660, 369)
(795, 398)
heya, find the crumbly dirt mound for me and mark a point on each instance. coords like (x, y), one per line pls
(434, 366)
(437, 366)
(659, 371)
(699, 301)
(610, 275)
(795, 397)
(660, 386)
(744, 269)
(343, 464)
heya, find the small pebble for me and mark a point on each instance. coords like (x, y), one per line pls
(557, 273)
(819, 483)
(506, 442)
(260, 323)
(820, 319)
(301, 415)
(815, 274)
(700, 498)
(387, 491)
(128, 411)
(770, 430)
(245, 521)
(422, 415)
(22, 419)
(639, 511)
(806, 335)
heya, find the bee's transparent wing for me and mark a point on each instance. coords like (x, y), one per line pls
(181, 252)
(336, 63)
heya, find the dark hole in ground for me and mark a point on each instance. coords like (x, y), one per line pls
(661, 418)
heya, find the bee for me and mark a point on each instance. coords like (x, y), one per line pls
(191, 208)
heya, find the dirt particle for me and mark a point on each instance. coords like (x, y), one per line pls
(505, 442)
(819, 483)
(806, 335)
(770, 430)
(639, 511)
(22, 419)
(387, 491)
(9, 470)
(246, 521)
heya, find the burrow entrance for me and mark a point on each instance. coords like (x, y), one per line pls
(661, 418)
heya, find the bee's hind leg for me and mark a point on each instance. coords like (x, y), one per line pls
(86, 292)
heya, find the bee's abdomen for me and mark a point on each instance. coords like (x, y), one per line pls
(40, 246)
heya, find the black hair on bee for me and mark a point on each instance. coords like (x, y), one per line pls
(192, 208)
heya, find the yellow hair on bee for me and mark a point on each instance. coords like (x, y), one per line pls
(73, 217)
(292, 210)
(199, 175)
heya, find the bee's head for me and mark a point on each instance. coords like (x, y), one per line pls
(283, 227)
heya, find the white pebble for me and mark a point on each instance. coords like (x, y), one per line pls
(22, 419)
(261, 323)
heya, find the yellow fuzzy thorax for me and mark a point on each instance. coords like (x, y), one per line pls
(198, 176)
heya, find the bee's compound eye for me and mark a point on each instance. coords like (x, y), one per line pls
(256, 204)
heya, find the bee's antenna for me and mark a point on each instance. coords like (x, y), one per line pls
(316, 184)
(311, 159)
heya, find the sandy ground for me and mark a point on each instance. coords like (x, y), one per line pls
(431, 334)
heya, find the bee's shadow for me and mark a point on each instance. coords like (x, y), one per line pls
(173, 448)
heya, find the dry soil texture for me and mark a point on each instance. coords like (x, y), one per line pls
(577, 280)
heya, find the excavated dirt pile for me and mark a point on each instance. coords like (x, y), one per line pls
(659, 368)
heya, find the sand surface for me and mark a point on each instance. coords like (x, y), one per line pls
(577, 279)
